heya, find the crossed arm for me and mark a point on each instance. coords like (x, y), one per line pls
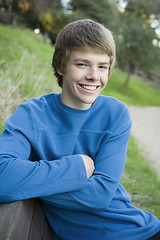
(62, 182)
(102, 185)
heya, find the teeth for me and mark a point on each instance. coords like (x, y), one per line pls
(87, 87)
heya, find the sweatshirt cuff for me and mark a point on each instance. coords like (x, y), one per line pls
(82, 171)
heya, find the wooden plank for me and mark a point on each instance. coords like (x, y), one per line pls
(39, 226)
(23, 220)
(15, 219)
(47, 233)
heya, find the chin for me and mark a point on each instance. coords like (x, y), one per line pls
(89, 101)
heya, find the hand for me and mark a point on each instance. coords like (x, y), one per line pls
(89, 164)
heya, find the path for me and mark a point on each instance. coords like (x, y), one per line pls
(146, 130)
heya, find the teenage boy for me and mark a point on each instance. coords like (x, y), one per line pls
(49, 145)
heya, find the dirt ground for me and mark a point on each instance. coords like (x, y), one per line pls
(146, 130)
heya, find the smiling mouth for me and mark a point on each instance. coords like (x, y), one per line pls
(89, 87)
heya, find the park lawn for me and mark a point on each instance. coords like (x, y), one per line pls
(25, 72)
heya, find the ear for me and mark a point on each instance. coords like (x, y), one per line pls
(59, 72)
(109, 71)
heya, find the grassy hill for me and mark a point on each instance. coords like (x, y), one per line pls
(137, 93)
(25, 72)
(25, 67)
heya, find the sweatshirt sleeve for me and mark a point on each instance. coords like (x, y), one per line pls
(109, 166)
(21, 178)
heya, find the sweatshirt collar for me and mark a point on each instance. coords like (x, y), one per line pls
(73, 110)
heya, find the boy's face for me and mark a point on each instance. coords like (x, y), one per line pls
(85, 76)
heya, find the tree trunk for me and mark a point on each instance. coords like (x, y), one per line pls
(129, 71)
(125, 85)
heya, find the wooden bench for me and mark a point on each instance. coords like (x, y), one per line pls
(23, 220)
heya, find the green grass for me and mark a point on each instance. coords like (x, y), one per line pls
(137, 93)
(25, 72)
(141, 181)
(25, 68)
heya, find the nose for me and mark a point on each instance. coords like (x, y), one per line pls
(93, 74)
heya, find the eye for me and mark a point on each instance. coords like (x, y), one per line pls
(103, 67)
(81, 64)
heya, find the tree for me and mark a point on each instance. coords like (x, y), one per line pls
(47, 15)
(104, 11)
(135, 38)
(51, 23)
(143, 7)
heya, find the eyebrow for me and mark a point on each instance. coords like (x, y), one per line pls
(87, 61)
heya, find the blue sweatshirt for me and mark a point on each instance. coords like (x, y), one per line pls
(39, 157)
